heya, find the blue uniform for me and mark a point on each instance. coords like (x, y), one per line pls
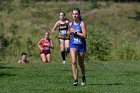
(76, 41)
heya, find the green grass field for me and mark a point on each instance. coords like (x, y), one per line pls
(102, 77)
(23, 24)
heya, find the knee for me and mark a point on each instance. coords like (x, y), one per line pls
(73, 63)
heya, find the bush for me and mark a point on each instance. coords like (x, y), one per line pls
(3, 45)
(6, 5)
(26, 3)
(99, 47)
(94, 3)
(126, 51)
(13, 29)
(30, 46)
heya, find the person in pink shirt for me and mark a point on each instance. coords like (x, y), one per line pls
(45, 44)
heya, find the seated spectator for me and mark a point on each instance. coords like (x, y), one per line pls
(23, 58)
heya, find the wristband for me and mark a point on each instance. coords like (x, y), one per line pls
(75, 32)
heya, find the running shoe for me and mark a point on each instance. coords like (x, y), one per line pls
(75, 83)
(64, 62)
(83, 80)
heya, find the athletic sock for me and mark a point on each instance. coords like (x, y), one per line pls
(63, 55)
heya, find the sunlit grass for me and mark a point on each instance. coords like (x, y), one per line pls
(102, 77)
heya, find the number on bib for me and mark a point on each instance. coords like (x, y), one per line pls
(63, 32)
(47, 48)
(77, 41)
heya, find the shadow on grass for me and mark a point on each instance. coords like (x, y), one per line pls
(137, 17)
(4, 67)
(109, 84)
(2, 74)
(64, 70)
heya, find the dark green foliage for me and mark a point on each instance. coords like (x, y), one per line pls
(98, 45)
(94, 3)
(101, 50)
(30, 46)
(125, 0)
(4, 41)
(16, 42)
(34, 32)
(26, 3)
(14, 47)
(6, 5)
(13, 29)
(126, 51)
(137, 17)
(116, 0)
(1, 27)
(3, 45)
(40, 14)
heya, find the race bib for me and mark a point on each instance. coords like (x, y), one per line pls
(47, 48)
(63, 32)
(77, 41)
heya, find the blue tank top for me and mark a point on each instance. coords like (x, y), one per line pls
(75, 39)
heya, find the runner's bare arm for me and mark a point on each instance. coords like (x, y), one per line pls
(39, 44)
(55, 27)
(51, 46)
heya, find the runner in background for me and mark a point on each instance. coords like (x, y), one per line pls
(64, 38)
(45, 44)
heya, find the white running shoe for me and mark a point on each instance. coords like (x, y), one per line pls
(83, 81)
(64, 62)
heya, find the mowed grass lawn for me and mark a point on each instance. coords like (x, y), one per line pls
(102, 77)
